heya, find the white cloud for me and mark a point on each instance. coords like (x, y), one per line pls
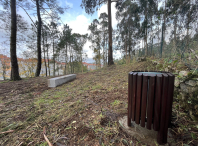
(87, 50)
(80, 25)
(69, 4)
(117, 54)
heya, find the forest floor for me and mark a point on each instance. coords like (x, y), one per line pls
(82, 112)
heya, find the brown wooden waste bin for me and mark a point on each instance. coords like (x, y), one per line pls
(150, 98)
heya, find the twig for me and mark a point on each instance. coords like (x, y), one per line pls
(49, 143)
(61, 138)
(7, 132)
(191, 141)
(20, 144)
(30, 143)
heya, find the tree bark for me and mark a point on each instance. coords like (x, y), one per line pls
(48, 60)
(125, 45)
(146, 50)
(13, 57)
(110, 52)
(81, 63)
(99, 58)
(44, 54)
(73, 63)
(39, 62)
(103, 57)
(162, 40)
(66, 59)
(53, 58)
(164, 29)
(175, 32)
(58, 64)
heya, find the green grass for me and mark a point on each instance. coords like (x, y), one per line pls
(85, 100)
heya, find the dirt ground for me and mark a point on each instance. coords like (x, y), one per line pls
(82, 112)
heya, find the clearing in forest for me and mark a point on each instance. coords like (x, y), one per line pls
(82, 112)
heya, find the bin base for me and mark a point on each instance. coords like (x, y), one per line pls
(142, 134)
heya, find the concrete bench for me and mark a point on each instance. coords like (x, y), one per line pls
(54, 82)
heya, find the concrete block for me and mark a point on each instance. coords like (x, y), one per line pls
(54, 82)
(141, 133)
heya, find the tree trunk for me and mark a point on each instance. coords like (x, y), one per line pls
(164, 29)
(125, 45)
(99, 58)
(44, 54)
(110, 51)
(3, 69)
(152, 47)
(13, 57)
(82, 64)
(175, 32)
(82, 61)
(146, 50)
(58, 64)
(38, 69)
(73, 63)
(70, 64)
(103, 48)
(162, 40)
(66, 60)
(129, 46)
(53, 58)
(48, 60)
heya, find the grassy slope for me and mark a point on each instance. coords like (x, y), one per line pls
(81, 112)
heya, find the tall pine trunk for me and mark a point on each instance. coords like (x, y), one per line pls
(146, 50)
(70, 64)
(110, 51)
(125, 46)
(58, 65)
(175, 32)
(44, 54)
(81, 64)
(103, 57)
(99, 58)
(38, 69)
(73, 62)
(66, 60)
(164, 29)
(14, 63)
(53, 58)
(48, 60)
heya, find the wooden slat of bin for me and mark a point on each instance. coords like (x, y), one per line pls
(144, 100)
(162, 134)
(134, 86)
(169, 105)
(150, 100)
(157, 107)
(129, 98)
(170, 96)
(129, 105)
(138, 98)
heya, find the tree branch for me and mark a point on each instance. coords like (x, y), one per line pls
(25, 12)
(101, 2)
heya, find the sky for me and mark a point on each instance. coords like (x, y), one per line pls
(77, 19)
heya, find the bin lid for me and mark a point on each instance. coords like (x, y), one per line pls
(154, 73)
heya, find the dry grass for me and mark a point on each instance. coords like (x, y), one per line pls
(81, 112)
